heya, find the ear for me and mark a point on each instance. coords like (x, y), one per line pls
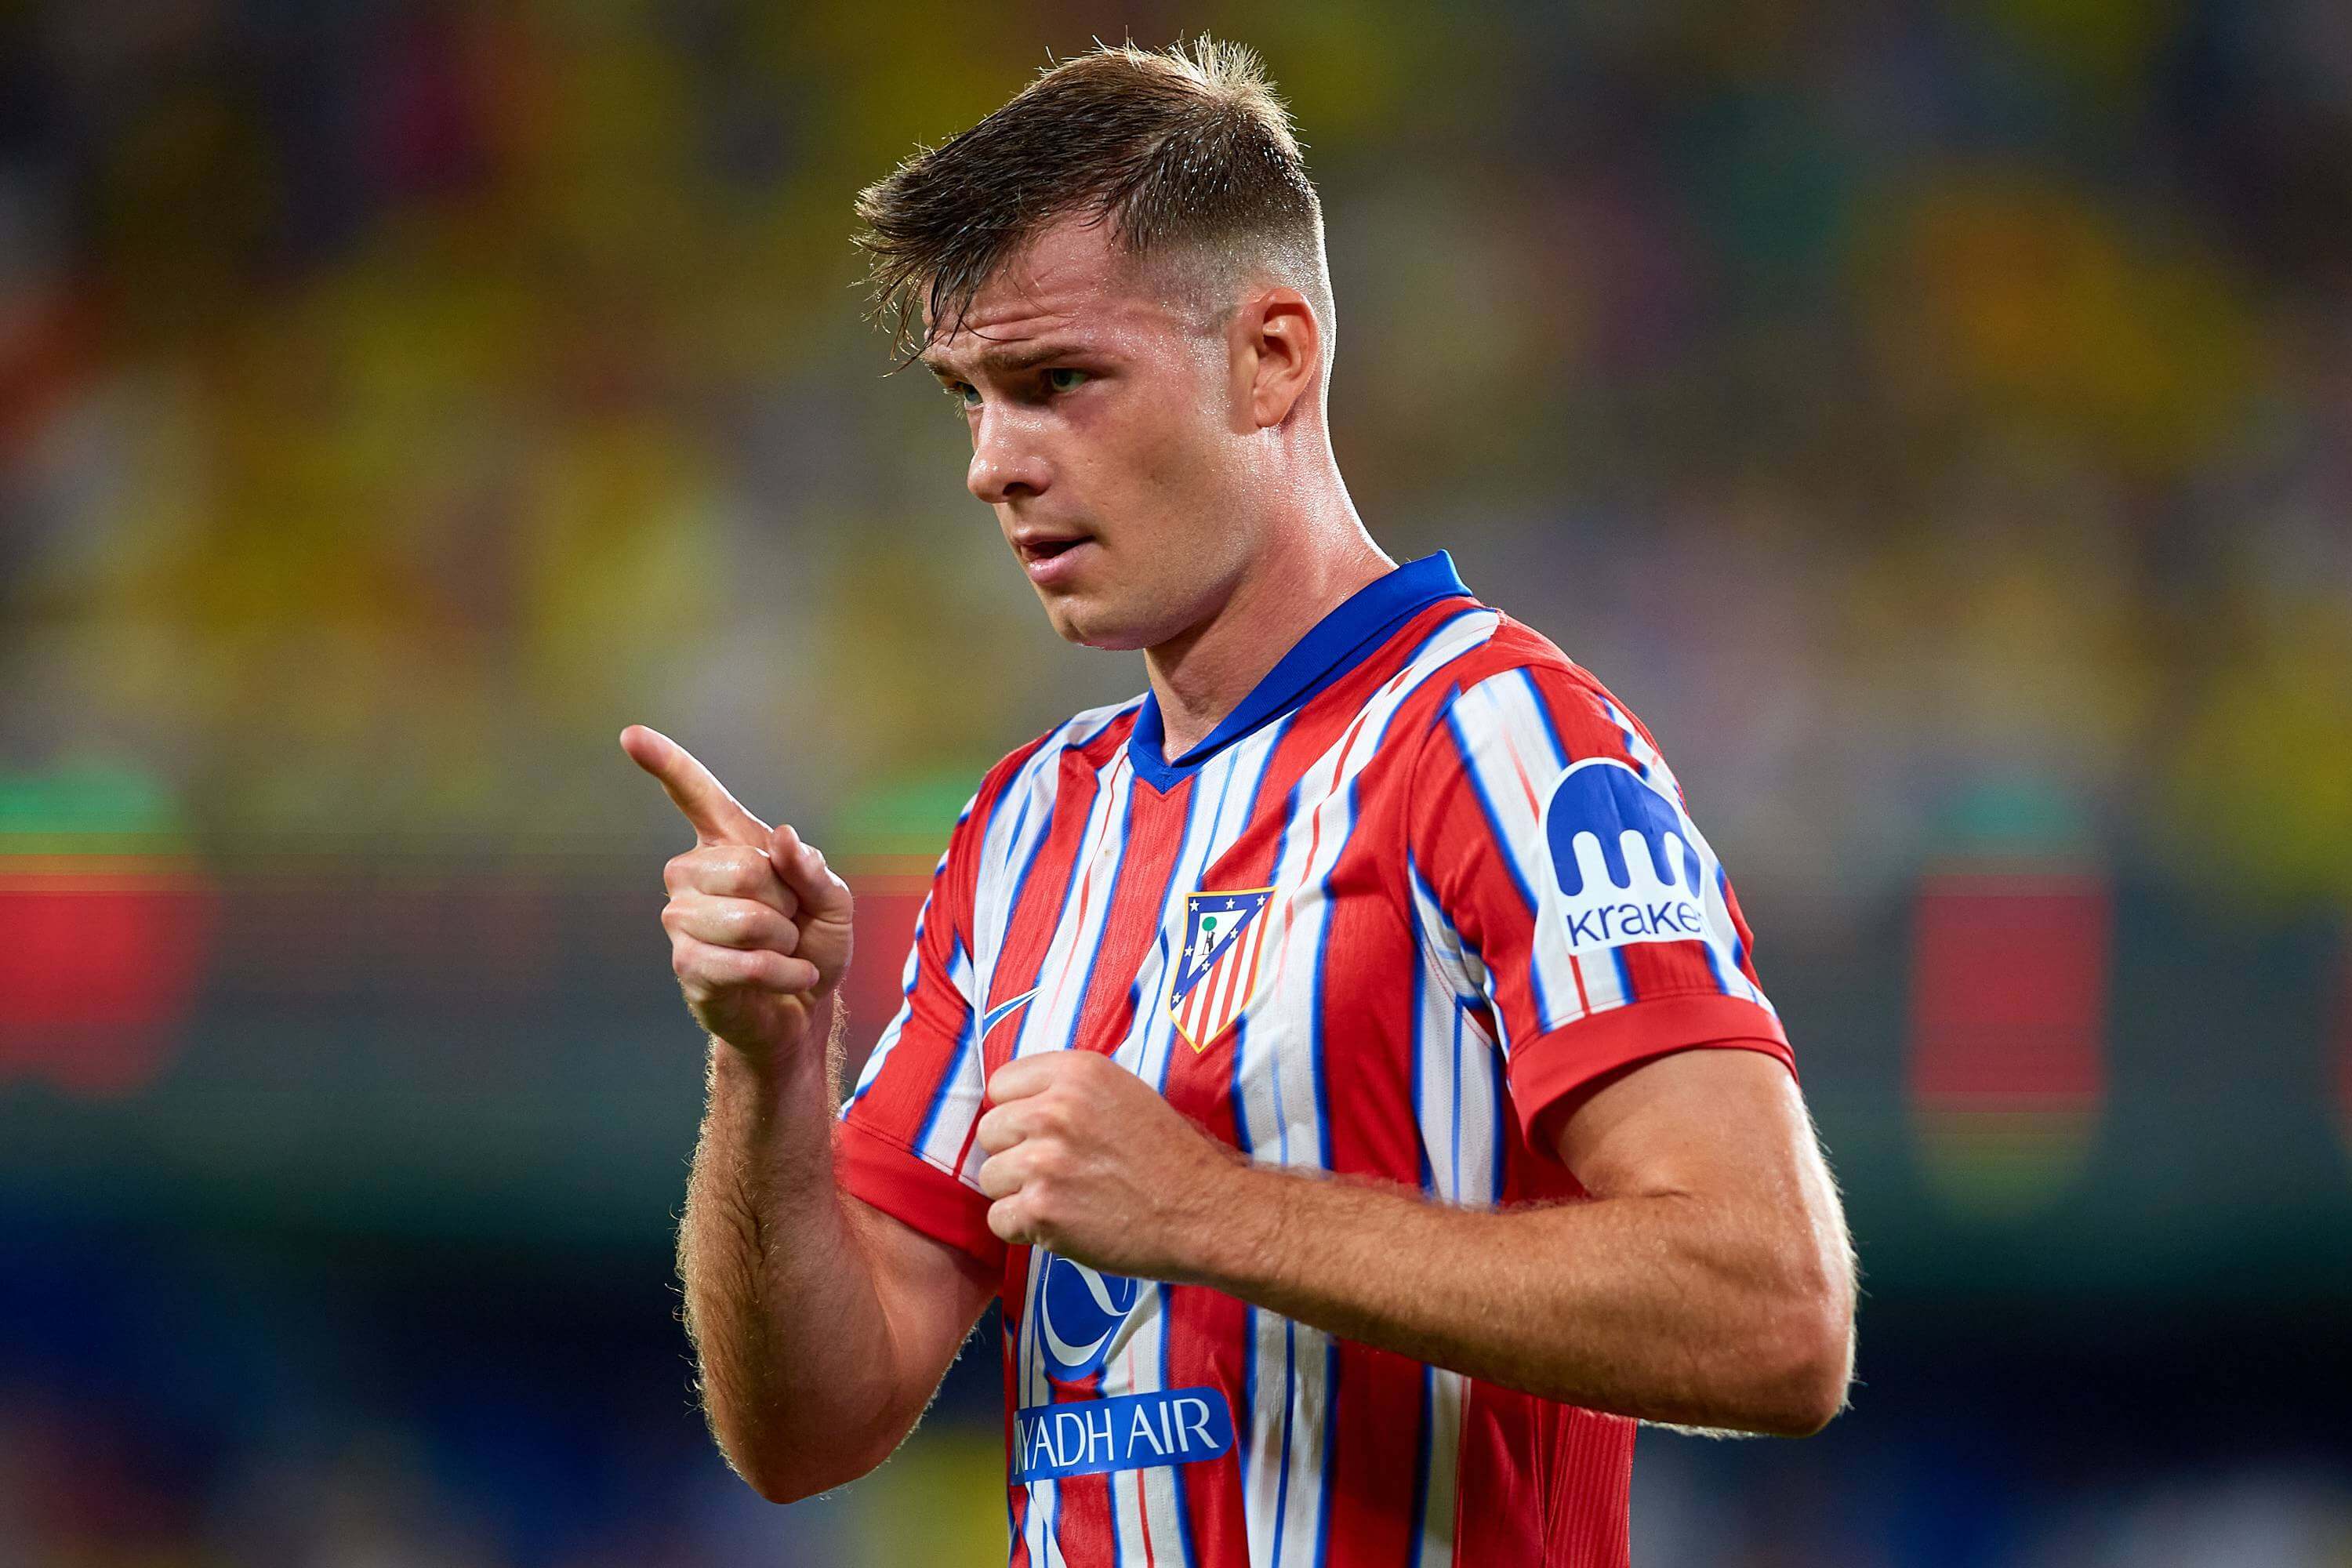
(1277, 353)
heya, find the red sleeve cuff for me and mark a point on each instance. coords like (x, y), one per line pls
(878, 1170)
(1549, 1068)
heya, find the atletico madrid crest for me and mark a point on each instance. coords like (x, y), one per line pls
(1217, 972)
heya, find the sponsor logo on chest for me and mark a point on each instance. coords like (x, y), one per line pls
(1132, 1432)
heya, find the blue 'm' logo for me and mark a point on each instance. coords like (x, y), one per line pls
(1602, 796)
(1079, 1311)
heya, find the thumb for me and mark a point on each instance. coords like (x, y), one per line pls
(823, 894)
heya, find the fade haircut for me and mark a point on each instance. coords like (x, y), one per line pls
(1188, 153)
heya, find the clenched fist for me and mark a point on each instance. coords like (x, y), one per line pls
(1086, 1158)
(758, 925)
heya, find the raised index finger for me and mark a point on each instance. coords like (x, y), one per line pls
(718, 817)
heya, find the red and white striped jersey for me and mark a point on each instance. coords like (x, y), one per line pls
(1424, 882)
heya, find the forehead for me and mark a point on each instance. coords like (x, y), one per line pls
(1071, 283)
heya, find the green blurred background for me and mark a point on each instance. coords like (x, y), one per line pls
(1934, 420)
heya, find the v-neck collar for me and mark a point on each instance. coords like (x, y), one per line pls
(1334, 646)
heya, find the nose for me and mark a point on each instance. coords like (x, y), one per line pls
(1005, 462)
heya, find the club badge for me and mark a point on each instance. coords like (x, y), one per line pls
(1217, 972)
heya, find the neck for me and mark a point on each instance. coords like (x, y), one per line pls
(1317, 562)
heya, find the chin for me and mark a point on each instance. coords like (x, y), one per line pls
(1099, 626)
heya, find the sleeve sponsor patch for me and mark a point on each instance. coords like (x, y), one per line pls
(1628, 865)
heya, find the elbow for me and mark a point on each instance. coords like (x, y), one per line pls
(1802, 1363)
(788, 1468)
(782, 1483)
(781, 1487)
(775, 1486)
(790, 1477)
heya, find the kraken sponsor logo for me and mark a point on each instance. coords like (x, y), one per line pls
(1629, 864)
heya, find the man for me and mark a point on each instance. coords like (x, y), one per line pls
(1344, 1061)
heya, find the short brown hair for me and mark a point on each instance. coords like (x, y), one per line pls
(1188, 153)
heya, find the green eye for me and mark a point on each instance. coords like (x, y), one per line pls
(1061, 378)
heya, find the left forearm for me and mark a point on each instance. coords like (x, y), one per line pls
(1660, 1306)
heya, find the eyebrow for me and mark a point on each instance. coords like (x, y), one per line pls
(1009, 359)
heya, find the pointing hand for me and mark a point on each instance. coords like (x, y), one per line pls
(758, 925)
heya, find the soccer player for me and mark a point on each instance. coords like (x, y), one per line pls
(1344, 1061)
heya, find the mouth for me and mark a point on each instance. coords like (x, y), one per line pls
(1050, 559)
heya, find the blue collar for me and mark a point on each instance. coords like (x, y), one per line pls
(1336, 645)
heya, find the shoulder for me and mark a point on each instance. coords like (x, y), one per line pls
(1034, 768)
(1517, 687)
(1015, 796)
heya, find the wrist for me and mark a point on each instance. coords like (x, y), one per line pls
(1232, 1240)
(790, 1065)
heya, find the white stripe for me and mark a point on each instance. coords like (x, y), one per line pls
(1135, 1369)
(1046, 1023)
(1449, 1396)
(1454, 1051)
(961, 1104)
(1457, 967)
(1434, 1069)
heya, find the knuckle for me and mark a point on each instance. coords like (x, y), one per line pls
(711, 868)
(704, 968)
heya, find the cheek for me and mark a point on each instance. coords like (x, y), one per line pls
(1179, 464)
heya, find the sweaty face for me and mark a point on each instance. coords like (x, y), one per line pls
(1102, 435)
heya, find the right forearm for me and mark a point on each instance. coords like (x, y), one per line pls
(790, 1336)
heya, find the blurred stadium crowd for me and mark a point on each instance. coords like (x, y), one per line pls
(1935, 419)
(1906, 407)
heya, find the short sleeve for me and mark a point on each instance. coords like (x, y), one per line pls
(1558, 872)
(903, 1141)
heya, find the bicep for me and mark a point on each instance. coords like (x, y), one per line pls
(1724, 1124)
(931, 1295)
